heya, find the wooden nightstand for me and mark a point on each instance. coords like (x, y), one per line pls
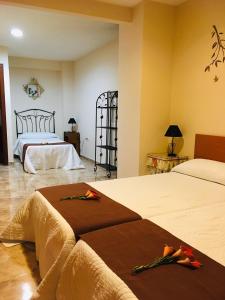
(73, 137)
(160, 162)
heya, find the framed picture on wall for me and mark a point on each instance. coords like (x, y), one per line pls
(33, 89)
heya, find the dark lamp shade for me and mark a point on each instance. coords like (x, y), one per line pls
(173, 131)
(72, 121)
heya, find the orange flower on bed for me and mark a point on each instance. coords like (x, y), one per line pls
(168, 250)
(89, 195)
(183, 256)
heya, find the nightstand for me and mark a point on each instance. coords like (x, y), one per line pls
(160, 162)
(73, 137)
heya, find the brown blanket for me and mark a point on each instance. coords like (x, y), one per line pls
(47, 144)
(87, 215)
(136, 243)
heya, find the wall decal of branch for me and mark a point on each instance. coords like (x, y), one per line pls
(218, 48)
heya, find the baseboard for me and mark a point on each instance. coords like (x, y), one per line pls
(82, 156)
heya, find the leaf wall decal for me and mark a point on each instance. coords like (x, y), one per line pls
(218, 47)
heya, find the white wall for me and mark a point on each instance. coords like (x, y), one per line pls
(93, 75)
(68, 94)
(48, 74)
(4, 61)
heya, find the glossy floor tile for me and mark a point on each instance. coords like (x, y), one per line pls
(19, 273)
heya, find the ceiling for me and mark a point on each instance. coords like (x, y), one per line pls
(132, 3)
(52, 36)
(57, 36)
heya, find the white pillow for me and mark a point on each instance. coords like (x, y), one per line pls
(37, 135)
(210, 170)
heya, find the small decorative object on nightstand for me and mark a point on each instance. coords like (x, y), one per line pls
(72, 122)
(160, 162)
(73, 137)
(173, 131)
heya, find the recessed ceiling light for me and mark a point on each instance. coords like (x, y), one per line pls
(16, 32)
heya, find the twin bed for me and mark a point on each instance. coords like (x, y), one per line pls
(37, 145)
(186, 205)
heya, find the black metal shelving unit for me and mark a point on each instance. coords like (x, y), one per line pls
(106, 131)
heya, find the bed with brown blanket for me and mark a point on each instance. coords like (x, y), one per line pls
(102, 267)
(194, 193)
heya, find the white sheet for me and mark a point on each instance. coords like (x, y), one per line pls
(172, 200)
(154, 195)
(47, 156)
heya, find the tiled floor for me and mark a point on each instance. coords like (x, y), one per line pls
(19, 273)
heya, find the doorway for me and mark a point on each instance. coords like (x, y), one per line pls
(3, 128)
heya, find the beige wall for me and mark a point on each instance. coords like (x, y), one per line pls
(57, 80)
(93, 74)
(158, 28)
(145, 64)
(198, 103)
(68, 97)
(31, 63)
(130, 64)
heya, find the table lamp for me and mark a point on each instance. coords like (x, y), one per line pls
(173, 131)
(72, 122)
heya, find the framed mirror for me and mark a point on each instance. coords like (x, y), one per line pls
(33, 89)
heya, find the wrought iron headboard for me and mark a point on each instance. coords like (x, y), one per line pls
(35, 120)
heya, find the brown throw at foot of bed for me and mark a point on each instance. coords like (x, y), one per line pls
(44, 144)
(87, 215)
(136, 243)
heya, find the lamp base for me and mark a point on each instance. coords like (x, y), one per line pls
(172, 154)
(171, 148)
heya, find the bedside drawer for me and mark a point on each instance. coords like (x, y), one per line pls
(73, 137)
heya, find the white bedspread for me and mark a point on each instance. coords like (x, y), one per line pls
(47, 156)
(172, 200)
(86, 277)
(37, 221)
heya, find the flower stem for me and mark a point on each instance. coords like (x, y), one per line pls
(73, 198)
(159, 261)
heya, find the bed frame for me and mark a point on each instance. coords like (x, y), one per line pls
(210, 147)
(35, 120)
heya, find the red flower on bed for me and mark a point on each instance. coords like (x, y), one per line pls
(196, 264)
(89, 195)
(187, 262)
(187, 251)
(183, 256)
